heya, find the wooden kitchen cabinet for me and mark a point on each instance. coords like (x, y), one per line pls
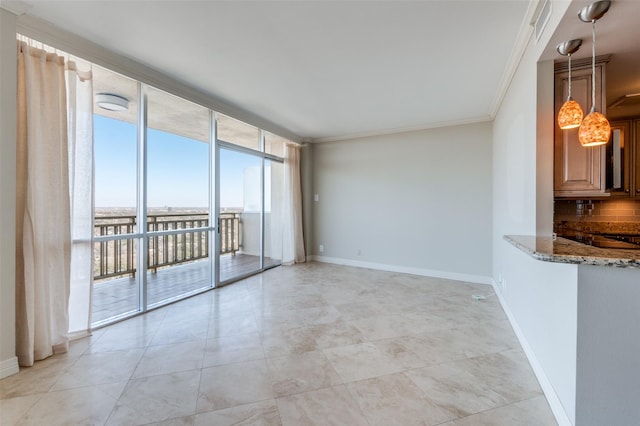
(579, 171)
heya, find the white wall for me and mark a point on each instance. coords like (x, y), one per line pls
(608, 374)
(8, 360)
(418, 202)
(545, 128)
(514, 157)
(250, 231)
(540, 297)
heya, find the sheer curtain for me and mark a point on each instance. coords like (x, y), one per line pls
(80, 125)
(292, 239)
(43, 212)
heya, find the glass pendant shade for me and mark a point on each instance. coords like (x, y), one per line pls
(570, 115)
(595, 130)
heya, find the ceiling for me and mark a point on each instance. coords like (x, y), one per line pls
(327, 70)
(320, 69)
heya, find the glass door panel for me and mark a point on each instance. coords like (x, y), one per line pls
(240, 176)
(178, 261)
(116, 233)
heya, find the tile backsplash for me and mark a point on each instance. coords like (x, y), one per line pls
(616, 215)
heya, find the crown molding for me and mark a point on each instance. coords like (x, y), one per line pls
(16, 7)
(400, 130)
(517, 53)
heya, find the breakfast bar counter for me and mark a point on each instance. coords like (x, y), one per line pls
(578, 311)
(562, 250)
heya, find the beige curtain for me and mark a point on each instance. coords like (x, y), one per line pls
(292, 239)
(43, 235)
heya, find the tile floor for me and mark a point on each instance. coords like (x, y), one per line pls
(312, 344)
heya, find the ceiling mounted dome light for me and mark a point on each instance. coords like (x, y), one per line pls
(595, 128)
(112, 102)
(570, 115)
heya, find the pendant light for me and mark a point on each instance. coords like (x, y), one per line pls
(570, 114)
(595, 128)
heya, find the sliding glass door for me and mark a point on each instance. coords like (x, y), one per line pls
(175, 213)
(116, 287)
(154, 231)
(240, 215)
(177, 198)
(250, 212)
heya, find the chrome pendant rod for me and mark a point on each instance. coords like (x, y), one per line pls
(567, 48)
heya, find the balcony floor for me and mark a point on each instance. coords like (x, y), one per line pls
(118, 296)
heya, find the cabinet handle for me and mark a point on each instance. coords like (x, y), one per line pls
(626, 190)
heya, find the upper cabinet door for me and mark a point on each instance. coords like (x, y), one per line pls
(636, 150)
(578, 171)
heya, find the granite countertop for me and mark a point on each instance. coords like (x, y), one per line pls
(561, 250)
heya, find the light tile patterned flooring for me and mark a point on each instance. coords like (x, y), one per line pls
(311, 344)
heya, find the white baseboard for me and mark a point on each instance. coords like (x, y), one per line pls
(477, 279)
(75, 335)
(9, 367)
(552, 398)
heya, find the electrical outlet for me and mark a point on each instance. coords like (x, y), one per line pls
(321, 248)
(500, 282)
(359, 252)
(316, 197)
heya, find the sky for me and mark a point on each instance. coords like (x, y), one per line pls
(178, 171)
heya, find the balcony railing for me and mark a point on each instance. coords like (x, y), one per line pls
(175, 245)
